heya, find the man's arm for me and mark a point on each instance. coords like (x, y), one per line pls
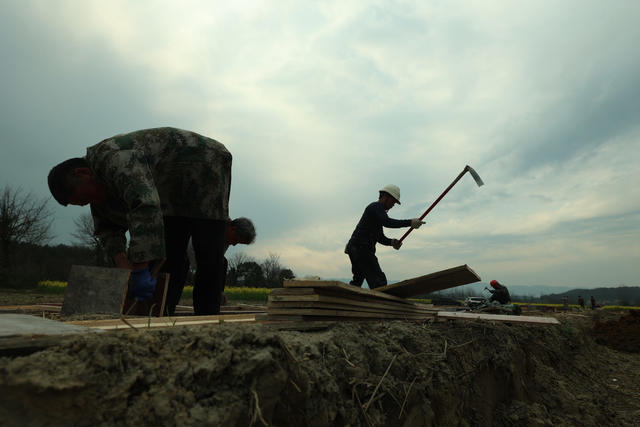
(129, 174)
(384, 240)
(111, 235)
(384, 219)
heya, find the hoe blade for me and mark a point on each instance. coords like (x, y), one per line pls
(475, 176)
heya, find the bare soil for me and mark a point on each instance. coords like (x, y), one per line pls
(333, 373)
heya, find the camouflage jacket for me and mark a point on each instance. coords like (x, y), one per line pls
(154, 173)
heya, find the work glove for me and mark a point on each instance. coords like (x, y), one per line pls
(142, 285)
(396, 244)
(416, 223)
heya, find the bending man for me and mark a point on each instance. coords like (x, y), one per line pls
(163, 186)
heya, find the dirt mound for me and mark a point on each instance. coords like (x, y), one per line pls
(622, 334)
(357, 374)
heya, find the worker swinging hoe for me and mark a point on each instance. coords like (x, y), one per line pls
(466, 169)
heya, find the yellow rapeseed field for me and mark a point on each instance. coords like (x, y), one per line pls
(233, 293)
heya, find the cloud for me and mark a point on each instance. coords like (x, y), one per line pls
(322, 104)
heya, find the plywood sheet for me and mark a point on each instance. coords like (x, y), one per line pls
(276, 297)
(334, 285)
(498, 317)
(337, 306)
(346, 313)
(95, 290)
(31, 307)
(444, 279)
(163, 322)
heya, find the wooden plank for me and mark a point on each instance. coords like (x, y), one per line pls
(308, 294)
(345, 313)
(30, 307)
(162, 322)
(95, 290)
(334, 306)
(343, 287)
(498, 317)
(293, 291)
(361, 302)
(437, 281)
(154, 307)
(308, 318)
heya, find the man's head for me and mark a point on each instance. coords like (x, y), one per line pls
(389, 196)
(72, 182)
(494, 284)
(240, 230)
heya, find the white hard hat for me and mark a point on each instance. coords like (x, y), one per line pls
(393, 191)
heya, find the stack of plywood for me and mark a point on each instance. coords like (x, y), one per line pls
(333, 300)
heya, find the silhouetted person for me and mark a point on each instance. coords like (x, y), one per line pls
(499, 293)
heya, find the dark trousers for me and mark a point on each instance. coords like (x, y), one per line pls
(364, 265)
(207, 236)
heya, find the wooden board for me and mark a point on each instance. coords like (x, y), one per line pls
(95, 290)
(312, 318)
(333, 306)
(330, 299)
(334, 285)
(498, 317)
(154, 307)
(345, 313)
(437, 281)
(162, 322)
(32, 307)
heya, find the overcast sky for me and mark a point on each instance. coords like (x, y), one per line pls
(323, 103)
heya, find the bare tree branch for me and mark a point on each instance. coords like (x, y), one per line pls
(23, 219)
(239, 258)
(271, 268)
(85, 235)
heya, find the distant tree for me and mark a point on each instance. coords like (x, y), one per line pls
(271, 268)
(86, 236)
(244, 270)
(250, 274)
(238, 258)
(38, 263)
(24, 219)
(286, 274)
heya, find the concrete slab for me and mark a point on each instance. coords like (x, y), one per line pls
(95, 290)
(18, 325)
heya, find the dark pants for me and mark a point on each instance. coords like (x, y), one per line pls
(364, 265)
(207, 236)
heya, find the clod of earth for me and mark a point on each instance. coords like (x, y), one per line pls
(358, 374)
(622, 334)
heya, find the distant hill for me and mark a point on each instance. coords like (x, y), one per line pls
(532, 291)
(622, 295)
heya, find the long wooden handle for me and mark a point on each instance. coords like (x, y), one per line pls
(436, 202)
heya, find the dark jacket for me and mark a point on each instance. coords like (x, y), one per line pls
(368, 232)
(500, 294)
